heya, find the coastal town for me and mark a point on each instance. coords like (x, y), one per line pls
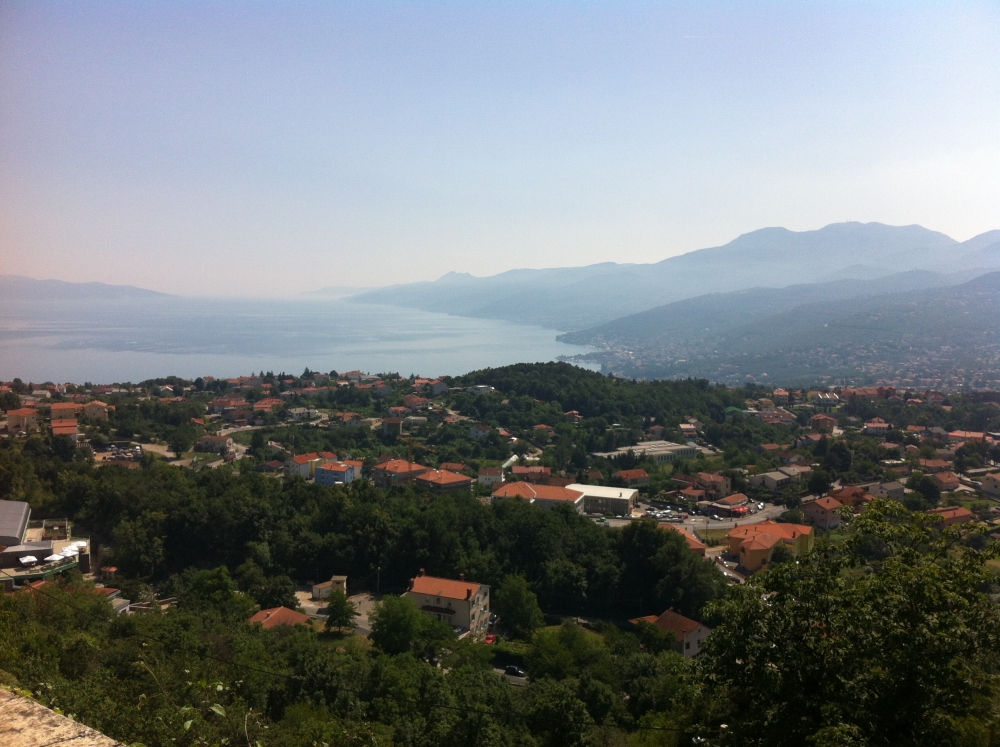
(815, 460)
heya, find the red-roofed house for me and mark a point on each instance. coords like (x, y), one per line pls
(946, 481)
(715, 486)
(396, 472)
(276, 616)
(694, 544)
(543, 496)
(303, 465)
(334, 473)
(461, 604)
(950, 515)
(753, 544)
(65, 428)
(443, 481)
(690, 634)
(823, 512)
(532, 474)
(633, 477)
(23, 419)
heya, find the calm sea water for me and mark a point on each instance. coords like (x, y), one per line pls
(118, 341)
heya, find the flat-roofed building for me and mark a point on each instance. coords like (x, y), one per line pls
(14, 517)
(598, 499)
(324, 589)
(660, 452)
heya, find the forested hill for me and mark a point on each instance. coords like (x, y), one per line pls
(706, 317)
(594, 395)
(949, 333)
(574, 298)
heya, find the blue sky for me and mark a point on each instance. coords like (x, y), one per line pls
(235, 148)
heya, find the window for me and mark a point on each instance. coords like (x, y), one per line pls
(687, 645)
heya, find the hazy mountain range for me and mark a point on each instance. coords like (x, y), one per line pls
(576, 298)
(894, 329)
(24, 289)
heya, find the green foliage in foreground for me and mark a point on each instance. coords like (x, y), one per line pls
(890, 638)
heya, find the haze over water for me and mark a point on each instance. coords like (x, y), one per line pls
(118, 341)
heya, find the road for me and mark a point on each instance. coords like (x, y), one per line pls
(517, 681)
(704, 522)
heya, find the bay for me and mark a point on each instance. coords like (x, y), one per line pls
(109, 341)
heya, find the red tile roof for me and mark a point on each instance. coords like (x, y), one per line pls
(442, 477)
(400, 466)
(443, 587)
(279, 616)
(531, 491)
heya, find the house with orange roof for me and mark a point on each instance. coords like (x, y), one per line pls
(543, 496)
(276, 616)
(715, 485)
(951, 515)
(67, 427)
(694, 544)
(96, 410)
(65, 410)
(876, 427)
(690, 634)
(823, 423)
(334, 473)
(753, 544)
(22, 419)
(533, 473)
(443, 481)
(304, 465)
(632, 477)
(852, 496)
(823, 512)
(490, 476)
(396, 472)
(946, 481)
(479, 431)
(964, 436)
(462, 604)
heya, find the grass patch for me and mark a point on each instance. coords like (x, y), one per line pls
(712, 536)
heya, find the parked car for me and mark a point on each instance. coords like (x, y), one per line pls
(716, 517)
(490, 639)
(514, 671)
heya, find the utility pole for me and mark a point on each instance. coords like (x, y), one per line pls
(378, 579)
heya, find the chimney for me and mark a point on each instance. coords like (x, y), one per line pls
(422, 572)
(461, 577)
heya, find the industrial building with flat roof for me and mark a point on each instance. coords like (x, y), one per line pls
(661, 452)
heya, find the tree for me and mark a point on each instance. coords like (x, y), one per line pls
(517, 607)
(843, 648)
(926, 487)
(398, 626)
(819, 482)
(340, 612)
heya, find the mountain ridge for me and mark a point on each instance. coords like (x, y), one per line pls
(582, 297)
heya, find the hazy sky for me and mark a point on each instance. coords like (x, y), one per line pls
(266, 148)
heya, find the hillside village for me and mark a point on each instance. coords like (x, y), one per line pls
(425, 434)
(728, 482)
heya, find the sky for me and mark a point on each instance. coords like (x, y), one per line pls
(269, 148)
